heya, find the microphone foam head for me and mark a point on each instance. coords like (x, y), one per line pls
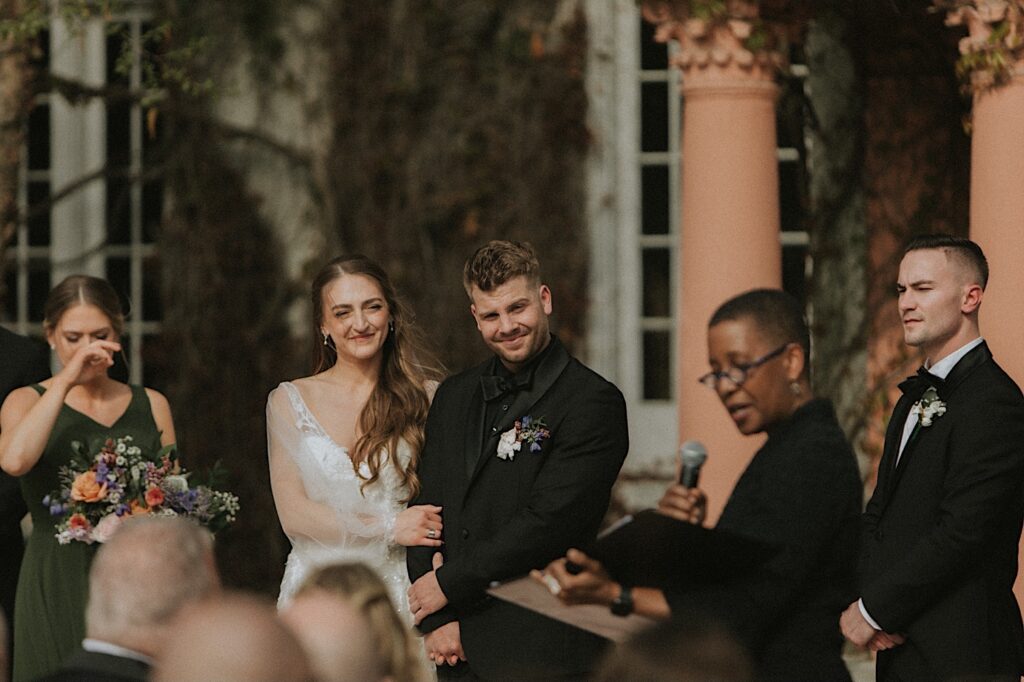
(693, 453)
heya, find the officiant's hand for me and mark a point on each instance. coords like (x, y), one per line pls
(685, 504)
(444, 645)
(425, 595)
(419, 525)
(591, 585)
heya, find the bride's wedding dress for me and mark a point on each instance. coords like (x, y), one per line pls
(360, 524)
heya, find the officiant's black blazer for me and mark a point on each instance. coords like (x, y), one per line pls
(505, 517)
(939, 551)
(22, 362)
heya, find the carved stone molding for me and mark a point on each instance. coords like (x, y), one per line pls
(718, 39)
(993, 50)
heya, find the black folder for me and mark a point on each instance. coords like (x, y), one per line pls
(654, 550)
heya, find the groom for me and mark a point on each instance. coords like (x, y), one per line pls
(521, 452)
(939, 551)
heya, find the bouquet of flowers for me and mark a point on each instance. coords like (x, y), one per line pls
(100, 490)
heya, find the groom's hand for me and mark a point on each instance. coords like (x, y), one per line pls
(425, 595)
(444, 645)
(855, 627)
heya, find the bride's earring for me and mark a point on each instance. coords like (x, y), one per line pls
(327, 339)
(391, 326)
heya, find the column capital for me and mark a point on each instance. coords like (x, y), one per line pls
(720, 39)
(992, 52)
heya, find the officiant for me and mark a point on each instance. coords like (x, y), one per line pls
(801, 494)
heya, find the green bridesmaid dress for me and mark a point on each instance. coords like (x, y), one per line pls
(54, 580)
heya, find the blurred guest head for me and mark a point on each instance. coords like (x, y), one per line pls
(509, 303)
(759, 351)
(345, 618)
(234, 638)
(149, 569)
(679, 651)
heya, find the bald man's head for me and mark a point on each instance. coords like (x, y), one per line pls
(234, 638)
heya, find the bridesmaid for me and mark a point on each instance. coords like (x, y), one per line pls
(83, 322)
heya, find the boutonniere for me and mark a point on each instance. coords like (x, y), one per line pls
(929, 408)
(527, 430)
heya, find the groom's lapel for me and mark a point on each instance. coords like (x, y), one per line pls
(473, 433)
(546, 374)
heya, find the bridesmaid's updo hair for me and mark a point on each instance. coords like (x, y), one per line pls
(397, 408)
(77, 290)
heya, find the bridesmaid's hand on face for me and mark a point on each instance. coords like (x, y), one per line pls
(419, 525)
(89, 362)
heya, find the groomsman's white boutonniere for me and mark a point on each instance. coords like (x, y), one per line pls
(527, 430)
(929, 407)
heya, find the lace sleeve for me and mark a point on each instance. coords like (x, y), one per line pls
(315, 499)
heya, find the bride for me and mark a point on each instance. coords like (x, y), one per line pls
(344, 443)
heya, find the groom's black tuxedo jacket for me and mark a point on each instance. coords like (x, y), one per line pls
(22, 362)
(505, 517)
(939, 552)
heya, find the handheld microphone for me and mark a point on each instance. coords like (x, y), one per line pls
(693, 454)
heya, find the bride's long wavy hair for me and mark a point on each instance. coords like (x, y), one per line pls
(397, 408)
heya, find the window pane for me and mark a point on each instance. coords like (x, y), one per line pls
(38, 288)
(794, 271)
(39, 138)
(652, 55)
(39, 210)
(656, 278)
(791, 211)
(655, 199)
(654, 117)
(657, 368)
(8, 303)
(152, 306)
(119, 276)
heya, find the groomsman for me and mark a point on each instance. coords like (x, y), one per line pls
(939, 553)
(521, 452)
(22, 362)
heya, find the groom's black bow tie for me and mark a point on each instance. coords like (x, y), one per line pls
(495, 386)
(915, 386)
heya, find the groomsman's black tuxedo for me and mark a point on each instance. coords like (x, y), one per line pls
(22, 362)
(941, 531)
(92, 666)
(505, 517)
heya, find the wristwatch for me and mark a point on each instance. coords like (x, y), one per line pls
(623, 604)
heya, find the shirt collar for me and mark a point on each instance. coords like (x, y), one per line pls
(98, 646)
(943, 367)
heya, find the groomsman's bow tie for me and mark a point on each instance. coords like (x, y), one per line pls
(915, 386)
(495, 386)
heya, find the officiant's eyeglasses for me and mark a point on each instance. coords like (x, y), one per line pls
(739, 374)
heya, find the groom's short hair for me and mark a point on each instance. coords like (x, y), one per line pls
(498, 261)
(961, 249)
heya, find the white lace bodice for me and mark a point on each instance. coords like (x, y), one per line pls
(362, 523)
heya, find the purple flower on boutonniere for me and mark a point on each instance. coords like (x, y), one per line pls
(527, 430)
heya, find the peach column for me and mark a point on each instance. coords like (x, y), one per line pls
(730, 212)
(997, 200)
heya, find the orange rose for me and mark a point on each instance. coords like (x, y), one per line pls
(86, 489)
(137, 508)
(154, 497)
(78, 521)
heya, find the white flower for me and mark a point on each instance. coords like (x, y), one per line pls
(174, 484)
(929, 407)
(120, 449)
(509, 444)
(120, 461)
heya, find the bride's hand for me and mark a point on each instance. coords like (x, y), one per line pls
(419, 525)
(89, 361)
